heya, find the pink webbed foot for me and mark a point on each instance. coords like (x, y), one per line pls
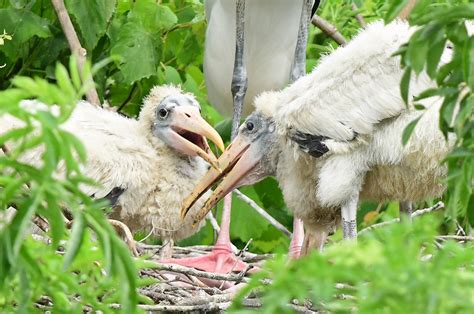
(220, 260)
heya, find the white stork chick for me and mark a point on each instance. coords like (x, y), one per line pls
(145, 167)
(348, 112)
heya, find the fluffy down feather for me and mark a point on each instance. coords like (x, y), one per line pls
(357, 89)
(352, 89)
(123, 153)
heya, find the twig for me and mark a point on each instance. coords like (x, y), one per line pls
(417, 213)
(328, 29)
(200, 273)
(213, 222)
(126, 233)
(180, 308)
(407, 10)
(262, 212)
(358, 16)
(76, 48)
(455, 237)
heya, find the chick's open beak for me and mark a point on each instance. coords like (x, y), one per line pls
(236, 162)
(189, 134)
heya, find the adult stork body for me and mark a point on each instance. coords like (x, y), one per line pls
(334, 137)
(271, 53)
(271, 34)
(145, 167)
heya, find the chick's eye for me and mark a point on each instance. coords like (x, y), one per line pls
(250, 126)
(163, 112)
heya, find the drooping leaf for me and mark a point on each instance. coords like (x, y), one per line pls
(77, 237)
(405, 85)
(409, 130)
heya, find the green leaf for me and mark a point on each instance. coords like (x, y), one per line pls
(417, 52)
(55, 217)
(434, 56)
(136, 48)
(409, 130)
(74, 244)
(92, 17)
(468, 62)
(154, 17)
(172, 76)
(470, 211)
(21, 221)
(405, 85)
(64, 82)
(394, 9)
(22, 25)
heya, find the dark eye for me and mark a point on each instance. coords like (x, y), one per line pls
(163, 112)
(250, 125)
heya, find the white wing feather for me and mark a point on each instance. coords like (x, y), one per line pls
(353, 88)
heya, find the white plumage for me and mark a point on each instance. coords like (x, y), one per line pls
(350, 109)
(130, 155)
(271, 32)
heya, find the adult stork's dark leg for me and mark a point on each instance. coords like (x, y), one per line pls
(238, 88)
(221, 259)
(298, 69)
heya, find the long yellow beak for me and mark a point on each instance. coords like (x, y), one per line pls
(235, 163)
(189, 134)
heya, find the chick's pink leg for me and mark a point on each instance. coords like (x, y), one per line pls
(221, 259)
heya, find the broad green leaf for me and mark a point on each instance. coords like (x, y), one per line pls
(409, 130)
(137, 51)
(172, 76)
(92, 17)
(22, 25)
(154, 17)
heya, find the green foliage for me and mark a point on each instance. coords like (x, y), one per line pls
(442, 23)
(88, 270)
(161, 42)
(397, 269)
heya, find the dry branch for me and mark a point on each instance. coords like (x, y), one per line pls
(76, 48)
(455, 237)
(358, 16)
(417, 213)
(180, 308)
(199, 273)
(328, 29)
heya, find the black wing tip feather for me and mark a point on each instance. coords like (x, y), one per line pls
(310, 144)
(114, 195)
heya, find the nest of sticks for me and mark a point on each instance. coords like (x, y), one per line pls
(183, 289)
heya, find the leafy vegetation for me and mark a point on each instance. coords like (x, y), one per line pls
(161, 42)
(441, 23)
(395, 269)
